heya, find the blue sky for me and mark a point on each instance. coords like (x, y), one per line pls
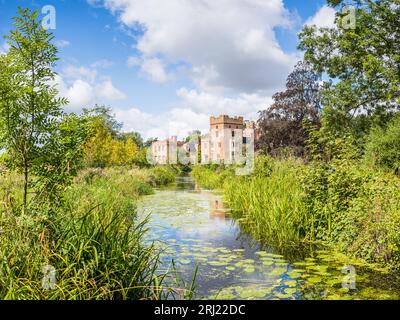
(166, 66)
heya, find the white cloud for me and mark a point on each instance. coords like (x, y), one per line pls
(80, 94)
(80, 73)
(62, 43)
(193, 112)
(103, 64)
(151, 68)
(4, 48)
(229, 44)
(227, 47)
(177, 121)
(213, 104)
(133, 61)
(107, 90)
(83, 87)
(324, 18)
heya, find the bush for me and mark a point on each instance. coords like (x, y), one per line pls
(383, 146)
(162, 175)
(268, 204)
(91, 240)
(341, 203)
(212, 176)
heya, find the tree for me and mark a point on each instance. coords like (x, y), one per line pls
(29, 106)
(62, 157)
(362, 62)
(134, 136)
(149, 142)
(383, 145)
(103, 112)
(97, 147)
(282, 124)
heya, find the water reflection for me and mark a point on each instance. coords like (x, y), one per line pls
(193, 227)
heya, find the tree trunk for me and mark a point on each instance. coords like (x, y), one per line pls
(25, 186)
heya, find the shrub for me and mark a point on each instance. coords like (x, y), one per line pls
(92, 240)
(383, 146)
(162, 175)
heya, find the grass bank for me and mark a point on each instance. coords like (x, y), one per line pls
(343, 204)
(88, 247)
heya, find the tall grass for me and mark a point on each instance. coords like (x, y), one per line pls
(91, 243)
(344, 204)
(270, 205)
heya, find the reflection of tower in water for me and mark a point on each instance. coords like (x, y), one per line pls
(218, 210)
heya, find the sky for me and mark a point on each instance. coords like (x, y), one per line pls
(164, 67)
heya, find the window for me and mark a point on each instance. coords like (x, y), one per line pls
(216, 127)
(244, 140)
(233, 134)
(217, 134)
(230, 126)
(219, 145)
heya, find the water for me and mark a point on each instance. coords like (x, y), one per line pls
(192, 227)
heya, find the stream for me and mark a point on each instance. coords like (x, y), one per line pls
(192, 227)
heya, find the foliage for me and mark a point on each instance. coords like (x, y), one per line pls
(162, 175)
(334, 200)
(362, 63)
(383, 146)
(212, 176)
(282, 124)
(29, 107)
(105, 116)
(102, 150)
(93, 241)
(269, 205)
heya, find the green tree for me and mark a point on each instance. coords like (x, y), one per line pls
(29, 106)
(383, 145)
(105, 113)
(134, 136)
(362, 63)
(62, 157)
(281, 126)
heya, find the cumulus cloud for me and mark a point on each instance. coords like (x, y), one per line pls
(152, 68)
(83, 87)
(177, 121)
(212, 104)
(62, 43)
(228, 49)
(107, 91)
(192, 112)
(324, 18)
(103, 64)
(4, 48)
(229, 44)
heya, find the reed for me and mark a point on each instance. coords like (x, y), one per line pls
(269, 205)
(88, 247)
(343, 204)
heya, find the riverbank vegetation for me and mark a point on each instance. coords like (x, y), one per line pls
(69, 185)
(89, 246)
(327, 169)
